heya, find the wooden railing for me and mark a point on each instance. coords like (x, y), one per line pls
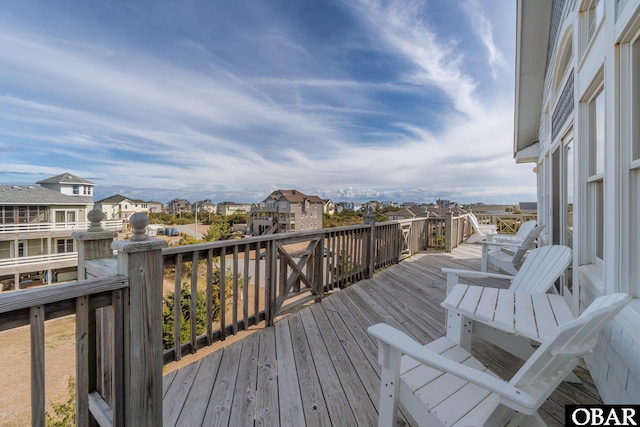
(230, 286)
(35, 306)
(119, 318)
(506, 223)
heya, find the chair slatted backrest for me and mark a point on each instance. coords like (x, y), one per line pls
(527, 244)
(558, 355)
(474, 222)
(541, 268)
(525, 229)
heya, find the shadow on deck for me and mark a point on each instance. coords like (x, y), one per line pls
(319, 366)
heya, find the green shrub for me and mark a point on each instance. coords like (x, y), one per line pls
(168, 325)
(64, 413)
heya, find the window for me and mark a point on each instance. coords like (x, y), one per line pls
(76, 190)
(64, 246)
(592, 15)
(595, 179)
(65, 216)
(6, 215)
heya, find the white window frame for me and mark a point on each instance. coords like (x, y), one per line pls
(595, 180)
(592, 13)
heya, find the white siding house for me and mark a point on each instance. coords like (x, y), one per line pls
(577, 120)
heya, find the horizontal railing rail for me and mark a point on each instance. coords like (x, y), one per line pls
(38, 259)
(115, 225)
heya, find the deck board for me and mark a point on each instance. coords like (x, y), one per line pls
(319, 366)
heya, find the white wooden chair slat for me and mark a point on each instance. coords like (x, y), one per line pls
(479, 415)
(525, 321)
(440, 389)
(424, 381)
(456, 295)
(466, 393)
(545, 320)
(541, 268)
(436, 346)
(560, 312)
(487, 305)
(472, 297)
(505, 307)
(463, 401)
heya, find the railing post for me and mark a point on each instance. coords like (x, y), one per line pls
(370, 248)
(95, 243)
(140, 259)
(448, 231)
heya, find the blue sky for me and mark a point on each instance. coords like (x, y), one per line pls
(347, 99)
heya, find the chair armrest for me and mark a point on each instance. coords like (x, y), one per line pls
(515, 245)
(476, 274)
(511, 396)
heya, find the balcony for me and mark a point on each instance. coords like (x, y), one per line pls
(114, 225)
(300, 363)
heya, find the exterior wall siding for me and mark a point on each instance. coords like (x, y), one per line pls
(614, 363)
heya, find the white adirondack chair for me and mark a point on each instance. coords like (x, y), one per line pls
(441, 384)
(481, 231)
(508, 256)
(540, 269)
(521, 234)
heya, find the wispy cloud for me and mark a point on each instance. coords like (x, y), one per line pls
(387, 108)
(401, 26)
(483, 28)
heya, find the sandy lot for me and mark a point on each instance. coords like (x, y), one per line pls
(15, 377)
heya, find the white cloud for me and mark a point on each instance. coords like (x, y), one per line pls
(400, 25)
(483, 28)
(133, 117)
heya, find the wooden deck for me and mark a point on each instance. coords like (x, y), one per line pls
(319, 366)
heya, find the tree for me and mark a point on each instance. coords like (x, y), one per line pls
(218, 230)
(236, 219)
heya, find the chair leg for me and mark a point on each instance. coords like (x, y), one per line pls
(485, 258)
(389, 385)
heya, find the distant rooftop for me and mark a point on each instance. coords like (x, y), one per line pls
(65, 178)
(36, 195)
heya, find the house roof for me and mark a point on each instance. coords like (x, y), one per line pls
(532, 36)
(65, 178)
(117, 198)
(36, 195)
(294, 196)
(404, 212)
